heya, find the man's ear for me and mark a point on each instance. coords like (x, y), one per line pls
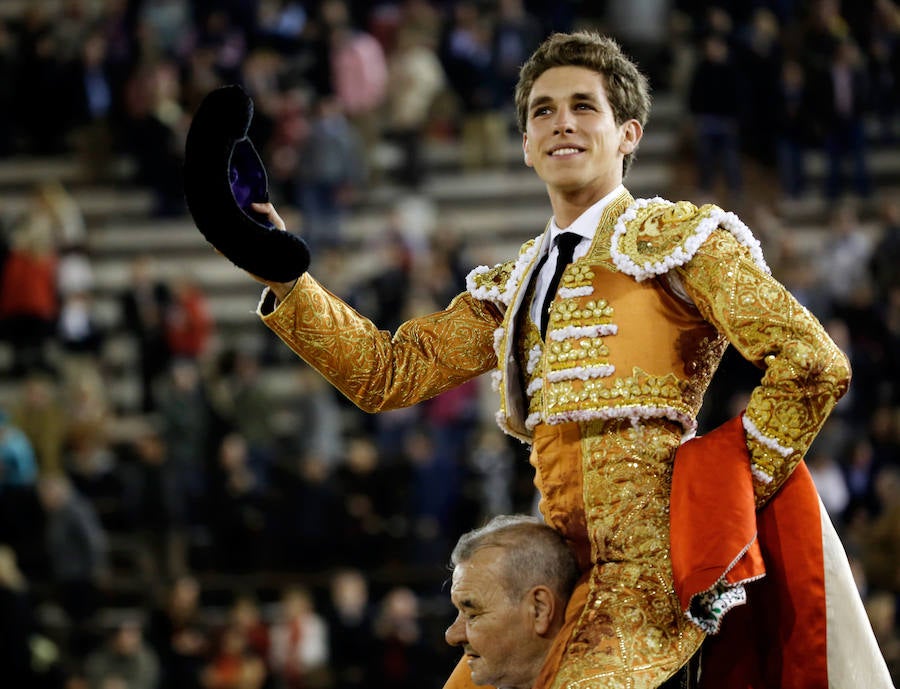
(525, 150)
(544, 608)
(632, 131)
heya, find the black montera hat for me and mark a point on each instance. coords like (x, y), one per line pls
(223, 175)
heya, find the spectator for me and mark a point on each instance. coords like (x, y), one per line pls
(40, 413)
(715, 103)
(299, 652)
(18, 467)
(359, 75)
(179, 635)
(246, 616)
(885, 67)
(79, 331)
(829, 477)
(158, 501)
(386, 293)
(53, 205)
(881, 607)
(371, 499)
(245, 404)
(823, 29)
(77, 552)
(309, 420)
(308, 514)
(240, 520)
(886, 254)
(144, 304)
(492, 461)
(792, 129)
(332, 169)
(92, 98)
(226, 39)
(415, 78)
(234, 665)
(759, 57)
(842, 100)
(516, 34)
(187, 427)
(29, 304)
(189, 323)
(403, 653)
(90, 461)
(157, 129)
(844, 259)
(126, 657)
(28, 657)
(861, 474)
(881, 541)
(40, 72)
(349, 621)
(468, 61)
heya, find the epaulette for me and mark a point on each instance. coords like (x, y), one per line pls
(497, 284)
(654, 235)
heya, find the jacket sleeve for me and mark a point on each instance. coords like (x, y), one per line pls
(804, 372)
(375, 370)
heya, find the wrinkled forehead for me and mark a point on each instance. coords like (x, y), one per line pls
(478, 579)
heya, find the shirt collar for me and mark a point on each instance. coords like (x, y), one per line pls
(586, 223)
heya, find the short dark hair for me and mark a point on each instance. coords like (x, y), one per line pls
(627, 88)
(534, 554)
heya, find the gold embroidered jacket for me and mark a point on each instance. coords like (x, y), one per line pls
(636, 331)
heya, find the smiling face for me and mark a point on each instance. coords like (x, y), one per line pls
(496, 633)
(571, 137)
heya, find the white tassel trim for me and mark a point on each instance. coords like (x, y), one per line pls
(494, 293)
(534, 358)
(532, 420)
(262, 299)
(482, 293)
(682, 254)
(570, 292)
(573, 331)
(770, 443)
(498, 341)
(581, 373)
(635, 413)
(496, 377)
(759, 474)
(534, 386)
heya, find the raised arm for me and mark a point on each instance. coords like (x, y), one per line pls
(377, 371)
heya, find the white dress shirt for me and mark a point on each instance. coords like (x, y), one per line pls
(585, 225)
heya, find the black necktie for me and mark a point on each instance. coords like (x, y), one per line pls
(566, 243)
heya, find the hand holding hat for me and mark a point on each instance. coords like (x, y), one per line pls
(223, 177)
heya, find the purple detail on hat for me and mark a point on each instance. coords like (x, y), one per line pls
(247, 177)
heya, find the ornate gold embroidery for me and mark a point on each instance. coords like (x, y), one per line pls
(661, 230)
(376, 371)
(631, 634)
(572, 312)
(577, 275)
(639, 389)
(496, 276)
(805, 372)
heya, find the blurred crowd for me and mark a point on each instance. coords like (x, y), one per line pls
(221, 533)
